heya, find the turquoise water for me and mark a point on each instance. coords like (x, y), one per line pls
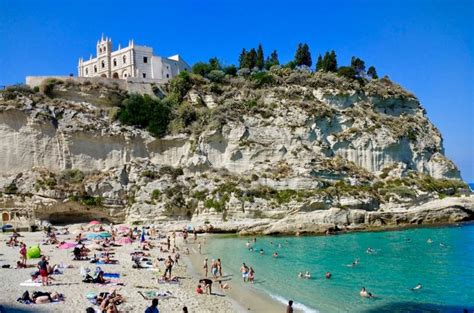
(403, 259)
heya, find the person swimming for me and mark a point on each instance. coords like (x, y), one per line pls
(365, 294)
(261, 251)
(328, 275)
(307, 275)
(417, 287)
(429, 240)
(300, 275)
(275, 255)
(354, 263)
(370, 250)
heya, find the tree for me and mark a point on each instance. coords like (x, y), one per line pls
(242, 59)
(230, 70)
(347, 71)
(260, 60)
(272, 60)
(319, 63)
(303, 55)
(329, 63)
(251, 59)
(372, 73)
(358, 65)
(215, 64)
(201, 68)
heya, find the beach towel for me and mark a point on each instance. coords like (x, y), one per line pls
(162, 281)
(111, 275)
(103, 263)
(150, 295)
(30, 283)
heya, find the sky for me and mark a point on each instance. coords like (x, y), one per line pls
(427, 46)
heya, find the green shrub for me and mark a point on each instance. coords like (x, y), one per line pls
(402, 191)
(201, 68)
(91, 200)
(11, 188)
(155, 194)
(216, 76)
(179, 87)
(169, 170)
(285, 196)
(73, 176)
(346, 71)
(149, 174)
(47, 86)
(200, 195)
(146, 112)
(261, 79)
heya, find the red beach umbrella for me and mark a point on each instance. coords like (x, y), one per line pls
(67, 245)
(125, 241)
(94, 222)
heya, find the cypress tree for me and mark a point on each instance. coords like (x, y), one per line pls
(260, 60)
(358, 65)
(299, 54)
(242, 58)
(307, 56)
(251, 58)
(372, 72)
(319, 63)
(332, 62)
(272, 60)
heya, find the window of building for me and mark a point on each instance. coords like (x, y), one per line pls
(87, 71)
(167, 75)
(95, 68)
(115, 62)
(100, 50)
(145, 59)
(124, 59)
(144, 75)
(102, 64)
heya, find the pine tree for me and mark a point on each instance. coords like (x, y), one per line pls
(319, 63)
(358, 65)
(303, 55)
(272, 60)
(332, 62)
(372, 73)
(242, 58)
(251, 58)
(260, 61)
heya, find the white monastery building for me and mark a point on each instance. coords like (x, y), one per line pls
(132, 61)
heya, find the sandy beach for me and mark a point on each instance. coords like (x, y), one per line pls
(135, 280)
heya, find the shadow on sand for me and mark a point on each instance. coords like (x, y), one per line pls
(18, 309)
(402, 307)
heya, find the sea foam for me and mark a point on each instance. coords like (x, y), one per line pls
(296, 305)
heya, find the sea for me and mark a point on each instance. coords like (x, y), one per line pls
(441, 259)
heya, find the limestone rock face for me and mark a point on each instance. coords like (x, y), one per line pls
(309, 153)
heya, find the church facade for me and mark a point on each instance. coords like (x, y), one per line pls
(132, 61)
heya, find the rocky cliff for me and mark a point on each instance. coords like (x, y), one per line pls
(283, 151)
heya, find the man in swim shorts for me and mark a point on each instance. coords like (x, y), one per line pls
(245, 272)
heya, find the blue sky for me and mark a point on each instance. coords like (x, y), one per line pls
(426, 46)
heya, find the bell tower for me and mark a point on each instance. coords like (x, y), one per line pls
(104, 49)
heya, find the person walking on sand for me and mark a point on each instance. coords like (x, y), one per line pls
(199, 248)
(153, 308)
(289, 308)
(245, 272)
(23, 253)
(43, 269)
(205, 267)
(214, 269)
(251, 275)
(168, 266)
(219, 267)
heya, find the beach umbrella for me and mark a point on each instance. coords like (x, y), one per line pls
(33, 252)
(94, 222)
(105, 234)
(93, 236)
(67, 245)
(125, 241)
(123, 228)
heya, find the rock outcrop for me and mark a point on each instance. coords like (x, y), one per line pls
(302, 153)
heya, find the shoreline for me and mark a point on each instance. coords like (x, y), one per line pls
(244, 297)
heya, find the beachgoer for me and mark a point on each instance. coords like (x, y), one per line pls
(429, 240)
(43, 269)
(251, 275)
(214, 269)
(289, 308)
(307, 275)
(168, 242)
(328, 275)
(195, 235)
(219, 267)
(168, 265)
(245, 271)
(223, 285)
(365, 294)
(199, 290)
(153, 308)
(205, 267)
(207, 284)
(90, 310)
(275, 255)
(300, 275)
(261, 251)
(199, 248)
(417, 287)
(23, 253)
(185, 309)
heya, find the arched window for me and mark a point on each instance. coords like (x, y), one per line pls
(124, 59)
(124, 74)
(100, 50)
(102, 63)
(87, 71)
(95, 68)
(115, 62)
